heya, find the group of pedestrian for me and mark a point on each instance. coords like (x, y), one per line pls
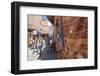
(39, 43)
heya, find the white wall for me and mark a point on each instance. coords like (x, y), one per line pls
(5, 39)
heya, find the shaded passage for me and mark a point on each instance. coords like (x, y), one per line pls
(48, 54)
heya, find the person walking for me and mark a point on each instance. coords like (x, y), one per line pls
(47, 40)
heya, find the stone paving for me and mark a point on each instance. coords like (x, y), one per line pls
(46, 54)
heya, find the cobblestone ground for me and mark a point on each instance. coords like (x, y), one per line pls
(46, 54)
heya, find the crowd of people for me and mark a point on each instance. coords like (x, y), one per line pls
(39, 42)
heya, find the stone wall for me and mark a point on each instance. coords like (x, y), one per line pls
(75, 32)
